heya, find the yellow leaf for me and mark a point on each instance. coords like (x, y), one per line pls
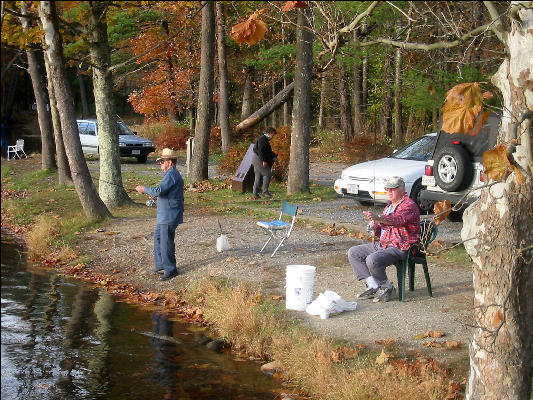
(441, 209)
(496, 162)
(462, 105)
(383, 358)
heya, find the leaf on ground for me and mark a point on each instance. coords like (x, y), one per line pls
(452, 344)
(278, 297)
(433, 343)
(111, 233)
(383, 358)
(441, 209)
(343, 353)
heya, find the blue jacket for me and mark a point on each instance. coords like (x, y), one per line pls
(169, 195)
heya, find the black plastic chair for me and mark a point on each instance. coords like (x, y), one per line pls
(416, 255)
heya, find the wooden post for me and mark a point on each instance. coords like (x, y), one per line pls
(190, 143)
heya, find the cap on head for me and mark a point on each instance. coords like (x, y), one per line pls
(394, 182)
(167, 154)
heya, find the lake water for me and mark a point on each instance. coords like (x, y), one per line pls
(62, 339)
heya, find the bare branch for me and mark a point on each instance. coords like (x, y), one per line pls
(496, 26)
(429, 46)
(400, 10)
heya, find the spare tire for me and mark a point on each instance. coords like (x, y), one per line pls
(452, 168)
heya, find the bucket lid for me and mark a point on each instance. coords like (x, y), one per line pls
(298, 267)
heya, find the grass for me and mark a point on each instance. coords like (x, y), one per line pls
(323, 368)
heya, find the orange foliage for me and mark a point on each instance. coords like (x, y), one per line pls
(173, 137)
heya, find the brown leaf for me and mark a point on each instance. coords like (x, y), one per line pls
(383, 358)
(462, 105)
(433, 344)
(487, 95)
(289, 5)
(478, 125)
(433, 334)
(278, 297)
(496, 162)
(452, 344)
(441, 209)
(250, 31)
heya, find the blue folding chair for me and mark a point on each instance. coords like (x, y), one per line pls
(279, 229)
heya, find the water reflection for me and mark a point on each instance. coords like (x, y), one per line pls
(65, 340)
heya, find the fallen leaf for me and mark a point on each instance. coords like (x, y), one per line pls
(433, 344)
(452, 344)
(383, 358)
(278, 297)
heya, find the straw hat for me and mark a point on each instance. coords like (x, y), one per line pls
(167, 154)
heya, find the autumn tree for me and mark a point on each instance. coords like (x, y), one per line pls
(223, 84)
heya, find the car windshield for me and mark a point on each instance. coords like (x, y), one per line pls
(419, 149)
(123, 129)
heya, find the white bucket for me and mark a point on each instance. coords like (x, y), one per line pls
(300, 280)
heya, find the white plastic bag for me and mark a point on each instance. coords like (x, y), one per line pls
(222, 243)
(328, 303)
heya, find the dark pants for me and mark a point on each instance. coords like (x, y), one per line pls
(164, 248)
(260, 171)
(371, 260)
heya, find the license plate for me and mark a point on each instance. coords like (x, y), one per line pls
(352, 189)
(428, 180)
(136, 152)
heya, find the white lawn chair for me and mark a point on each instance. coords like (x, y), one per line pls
(16, 150)
(279, 229)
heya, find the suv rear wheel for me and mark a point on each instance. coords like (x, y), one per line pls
(452, 168)
(425, 206)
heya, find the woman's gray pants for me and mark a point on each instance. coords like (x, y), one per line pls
(371, 260)
(260, 171)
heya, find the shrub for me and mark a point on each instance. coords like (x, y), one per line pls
(364, 148)
(281, 145)
(230, 161)
(172, 137)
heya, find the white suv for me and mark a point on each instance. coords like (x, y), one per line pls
(129, 144)
(454, 171)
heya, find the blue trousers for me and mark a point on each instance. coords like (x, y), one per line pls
(164, 248)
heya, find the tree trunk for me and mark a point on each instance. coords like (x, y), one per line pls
(345, 109)
(322, 109)
(501, 352)
(248, 89)
(265, 111)
(64, 175)
(357, 94)
(273, 121)
(398, 131)
(205, 96)
(110, 187)
(298, 179)
(364, 85)
(39, 90)
(92, 205)
(386, 107)
(83, 94)
(223, 95)
(171, 111)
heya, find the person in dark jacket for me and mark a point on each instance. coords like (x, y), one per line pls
(262, 160)
(169, 194)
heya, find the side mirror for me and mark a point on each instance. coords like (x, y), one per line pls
(134, 132)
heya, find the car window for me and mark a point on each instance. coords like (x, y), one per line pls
(86, 128)
(123, 129)
(419, 149)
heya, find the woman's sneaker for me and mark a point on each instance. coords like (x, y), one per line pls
(383, 294)
(368, 293)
